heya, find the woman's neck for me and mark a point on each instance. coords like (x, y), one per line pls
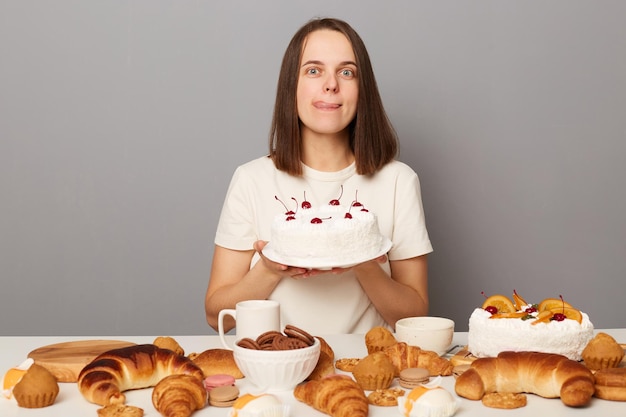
(329, 153)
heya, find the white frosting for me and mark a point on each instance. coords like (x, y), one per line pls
(336, 240)
(487, 337)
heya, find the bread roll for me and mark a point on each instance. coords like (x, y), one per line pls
(545, 374)
(218, 361)
(104, 379)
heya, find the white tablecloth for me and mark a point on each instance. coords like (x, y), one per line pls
(14, 350)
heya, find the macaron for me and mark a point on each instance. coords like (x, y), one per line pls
(223, 396)
(413, 377)
(218, 380)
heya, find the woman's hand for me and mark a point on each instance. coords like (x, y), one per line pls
(278, 268)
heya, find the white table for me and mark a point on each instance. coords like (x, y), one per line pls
(13, 350)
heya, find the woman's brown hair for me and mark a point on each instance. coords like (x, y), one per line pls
(372, 137)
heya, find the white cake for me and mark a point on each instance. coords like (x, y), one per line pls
(323, 236)
(489, 336)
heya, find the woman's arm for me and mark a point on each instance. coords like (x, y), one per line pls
(403, 294)
(232, 280)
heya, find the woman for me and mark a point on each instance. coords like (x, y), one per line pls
(329, 132)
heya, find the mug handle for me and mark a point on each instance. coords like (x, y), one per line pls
(220, 324)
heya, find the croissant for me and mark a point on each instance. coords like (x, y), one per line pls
(336, 395)
(545, 374)
(103, 380)
(405, 356)
(179, 395)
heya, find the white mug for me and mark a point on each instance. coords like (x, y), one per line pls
(252, 318)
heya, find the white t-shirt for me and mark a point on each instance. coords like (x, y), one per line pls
(328, 303)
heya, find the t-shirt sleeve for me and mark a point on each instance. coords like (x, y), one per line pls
(236, 228)
(410, 236)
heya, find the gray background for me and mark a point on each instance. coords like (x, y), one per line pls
(121, 123)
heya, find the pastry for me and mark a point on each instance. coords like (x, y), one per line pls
(346, 364)
(179, 395)
(325, 348)
(404, 356)
(323, 368)
(412, 377)
(375, 371)
(611, 384)
(218, 380)
(218, 361)
(378, 338)
(428, 401)
(504, 400)
(120, 410)
(264, 405)
(37, 388)
(387, 397)
(545, 374)
(602, 352)
(223, 396)
(459, 369)
(167, 342)
(103, 380)
(335, 395)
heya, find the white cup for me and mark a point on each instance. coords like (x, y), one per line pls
(252, 318)
(429, 333)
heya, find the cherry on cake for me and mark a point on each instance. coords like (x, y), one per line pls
(329, 235)
(552, 326)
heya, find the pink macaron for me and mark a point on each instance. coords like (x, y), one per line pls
(218, 380)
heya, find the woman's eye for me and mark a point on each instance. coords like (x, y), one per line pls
(347, 73)
(313, 71)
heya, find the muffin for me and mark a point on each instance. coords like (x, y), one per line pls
(378, 338)
(375, 371)
(38, 388)
(602, 352)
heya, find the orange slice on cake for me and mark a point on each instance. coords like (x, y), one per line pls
(569, 312)
(551, 303)
(543, 317)
(518, 301)
(501, 302)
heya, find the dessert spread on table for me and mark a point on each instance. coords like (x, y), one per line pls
(330, 235)
(392, 374)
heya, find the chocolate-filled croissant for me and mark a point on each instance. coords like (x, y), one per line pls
(336, 395)
(179, 395)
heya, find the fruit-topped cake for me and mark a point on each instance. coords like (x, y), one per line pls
(329, 235)
(552, 326)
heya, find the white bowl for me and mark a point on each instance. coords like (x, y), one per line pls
(277, 370)
(429, 333)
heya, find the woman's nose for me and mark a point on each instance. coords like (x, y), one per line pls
(331, 84)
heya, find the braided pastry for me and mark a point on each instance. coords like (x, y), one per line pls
(140, 366)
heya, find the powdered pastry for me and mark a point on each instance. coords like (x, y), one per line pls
(326, 236)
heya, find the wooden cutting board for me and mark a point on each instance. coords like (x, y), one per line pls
(66, 360)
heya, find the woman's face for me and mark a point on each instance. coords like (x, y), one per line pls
(327, 90)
